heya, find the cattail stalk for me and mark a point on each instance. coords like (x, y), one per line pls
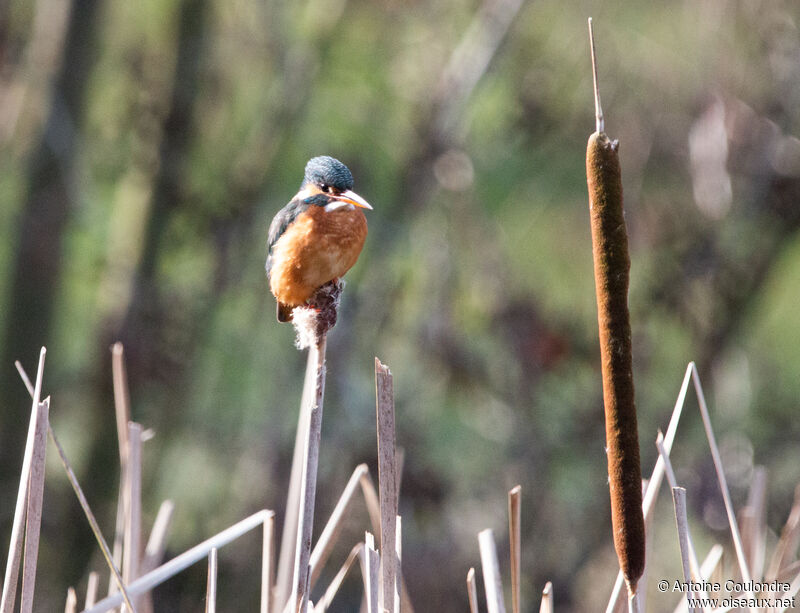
(387, 482)
(515, 543)
(308, 489)
(611, 270)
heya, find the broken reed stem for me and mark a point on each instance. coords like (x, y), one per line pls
(73, 480)
(331, 590)
(72, 601)
(332, 529)
(154, 551)
(755, 516)
(472, 591)
(91, 589)
(387, 482)
(122, 411)
(93, 523)
(491, 572)
(682, 523)
(33, 515)
(157, 543)
(611, 272)
(133, 521)
(267, 563)
(372, 564)
(723, 483)
(374, 511)
(515, 540)
(547, 599)
(299, 597)
(15, 543)
(211, 582)
(711, 561)
(183, 561)
(694, 564)
(787, 545)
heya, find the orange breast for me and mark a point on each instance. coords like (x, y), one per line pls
(317, 247)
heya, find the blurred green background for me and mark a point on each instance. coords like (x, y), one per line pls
(145, 147)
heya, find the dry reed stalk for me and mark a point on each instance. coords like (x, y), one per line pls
(611, 272)
(472, 591)
(789, 572)
(372, 501)
(122, 412)
(794, 588)
(133, 521)
(71, 605)
(387, 483)
(211, 583)
(15, 543)
(656, 477)
(157, 542)
(330, 533)
(398, 552)
(694, 564)
(707, 568)
(373, 508)
(91, 589)
(491, 572)
(98, 535)
(711, 562)
(73, 480)
(371, 572)
(122, 399)
(33, 515)
(181, 562)
(682, 523)
(267, 564)
(754, 523)
(786, 548)
(547, 599)
(330, 591)
(92, 522)
(299, 597)
(723, 483)
(515, 540)
(155, 548)
(283, 582)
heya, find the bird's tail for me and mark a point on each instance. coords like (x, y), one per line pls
(284, 312)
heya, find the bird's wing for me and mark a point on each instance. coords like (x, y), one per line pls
(280, 223)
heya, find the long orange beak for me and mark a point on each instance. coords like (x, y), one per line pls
(350, 197)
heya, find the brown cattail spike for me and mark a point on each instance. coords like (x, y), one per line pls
(611, 271)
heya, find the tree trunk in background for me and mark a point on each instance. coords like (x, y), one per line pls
(139, 328)
(36, 270)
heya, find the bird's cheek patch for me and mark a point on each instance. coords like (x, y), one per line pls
(337, 204)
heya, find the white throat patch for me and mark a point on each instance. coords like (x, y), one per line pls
(337, 204)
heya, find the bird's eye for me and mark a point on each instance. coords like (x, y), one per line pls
(328, 189)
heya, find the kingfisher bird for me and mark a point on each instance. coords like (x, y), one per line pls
(317, 237)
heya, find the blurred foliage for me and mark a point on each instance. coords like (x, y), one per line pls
(187, 128)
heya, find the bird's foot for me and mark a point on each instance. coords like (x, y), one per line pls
(314, 319)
